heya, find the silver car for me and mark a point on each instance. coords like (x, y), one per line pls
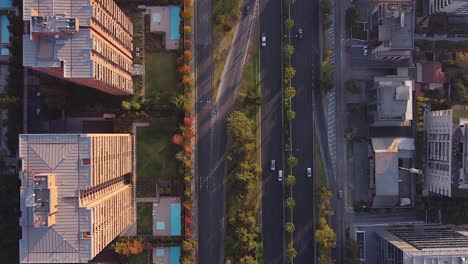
(273, 165)
(263, 39)
(309, 172)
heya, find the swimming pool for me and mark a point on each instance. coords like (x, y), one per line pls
(174, 255)
(175, 220)
(5, 3)
(5, 34)
(174, 22)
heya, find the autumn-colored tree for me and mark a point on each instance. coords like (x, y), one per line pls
(187, 56)
(461, 59)
(178, 139)
(187, 80)
(288, 49)
(187, 3)
(187, 14)
(290, 202)
(324, 257)
(290, 114)
(188, 149)
(289, 72)
(180, 60)
(290, 92)
(290, 180)
(291, 251)
(187, 30)
(189, 245)
(324, 234)
(184, 69)
(129, 246)
(187, 44)
(188, 134)
(289, 23)
(289, 226)
(188, 121)
(292, 161)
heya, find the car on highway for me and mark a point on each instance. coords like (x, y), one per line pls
(273, 165)
(340, 194)
(364, 50)
(280, 175)
(263, 39)
(309, 172)
(300, 33)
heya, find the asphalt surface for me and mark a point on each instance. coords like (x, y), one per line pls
(212, 134)
(271, 132)
(306, 61)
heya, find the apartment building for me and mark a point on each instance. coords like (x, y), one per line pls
(89, 42)
(75, 195)
(447, 154)
(392, 30)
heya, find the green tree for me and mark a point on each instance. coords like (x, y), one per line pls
(289, 23)
(460, 92)
(290, 180)
(291, 251)
(239, 126)
(351, 252)
(288, 49)
(181, 101)
(290, 114)
(6, 100)
(290, 92)
(290, 202)
(289, 72)
(289, 226)
(327, 76)
(292, 161)
(353, 86)
(292, 1)
(324, 234)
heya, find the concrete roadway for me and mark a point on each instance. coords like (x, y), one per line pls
(271, 131)
(212, 137)
(305, 59)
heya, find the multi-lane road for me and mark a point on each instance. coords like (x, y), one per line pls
(211, 128)
(272, 132)
(306, 62)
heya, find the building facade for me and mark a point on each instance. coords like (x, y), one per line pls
(438, 175)
(458, 7)
(75, 196)
(89, 42)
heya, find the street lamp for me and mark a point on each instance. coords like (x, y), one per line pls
(412, 170)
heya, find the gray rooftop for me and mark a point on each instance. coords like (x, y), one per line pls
(397, 26)
(394, 98)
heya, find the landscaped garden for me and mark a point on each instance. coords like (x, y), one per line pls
(145, 219)
(161, 77)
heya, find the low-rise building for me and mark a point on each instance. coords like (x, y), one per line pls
(75, 196)
(392, 30)
(431, 74)
(459, 7)
(392, 184)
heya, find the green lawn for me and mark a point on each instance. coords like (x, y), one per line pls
(459, 113)
(145, 219)
(155, 150)
(142, 258)
(160, 76)
(320, 166)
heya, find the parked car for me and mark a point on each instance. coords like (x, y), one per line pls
(263, 40)
(280, 175)
(364, 50)
(309, 172)
(300, 33)
(273, 165)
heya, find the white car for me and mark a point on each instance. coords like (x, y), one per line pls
(263, 40)
(364, 50)
(340, 194)
(280, 175)
(273, 165)
(309, 172)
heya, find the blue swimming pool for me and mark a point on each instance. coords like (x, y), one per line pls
(175, 220)
(174, 22)
(174, 255)
(5, 33)
(5, 3)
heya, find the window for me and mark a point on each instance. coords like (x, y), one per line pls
(86, 161)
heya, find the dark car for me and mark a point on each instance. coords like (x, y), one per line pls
(300, 33)
(247, 9)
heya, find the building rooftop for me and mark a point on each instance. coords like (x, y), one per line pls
(396, 28)
(394, 98)
(430, 72)
(429, 238)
